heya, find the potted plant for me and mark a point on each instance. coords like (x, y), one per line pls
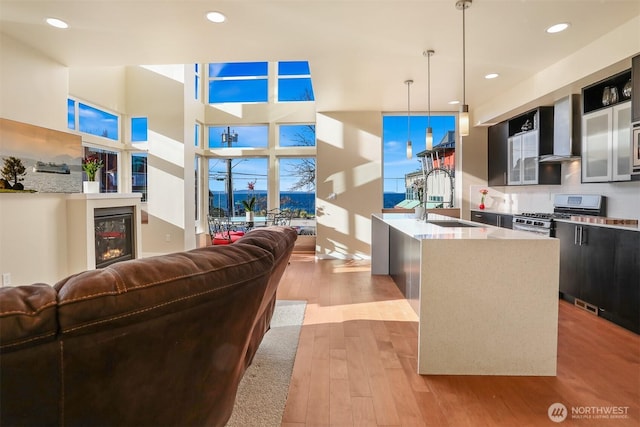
(91, 165)
(249, 205)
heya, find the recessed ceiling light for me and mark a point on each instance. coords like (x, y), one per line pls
(557, 28)
(216, 17)
(454, 102)
(58, 23)
(491, 76)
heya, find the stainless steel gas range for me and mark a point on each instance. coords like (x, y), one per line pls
(564, 207)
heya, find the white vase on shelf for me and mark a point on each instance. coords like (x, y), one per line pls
(419, 210)
(90, 187)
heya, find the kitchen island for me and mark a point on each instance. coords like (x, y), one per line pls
(486, 297)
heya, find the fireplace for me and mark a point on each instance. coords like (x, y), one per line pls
(114, 235)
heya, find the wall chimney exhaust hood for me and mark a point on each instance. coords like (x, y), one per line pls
(566, 130)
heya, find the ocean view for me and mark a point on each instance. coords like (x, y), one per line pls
(288, 200)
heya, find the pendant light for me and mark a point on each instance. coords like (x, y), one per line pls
(463, 117)
(409, 149)
(429, 139)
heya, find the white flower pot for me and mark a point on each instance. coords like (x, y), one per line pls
(249, 216)
(90, 187)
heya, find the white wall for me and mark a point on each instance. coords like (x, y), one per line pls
(159, 95)
(349, 166)
(33, 89)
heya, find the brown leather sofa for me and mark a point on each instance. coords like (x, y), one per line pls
(160, 341)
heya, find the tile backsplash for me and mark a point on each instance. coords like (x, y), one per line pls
(623, 198)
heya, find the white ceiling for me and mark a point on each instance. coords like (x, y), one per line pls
(360, 51)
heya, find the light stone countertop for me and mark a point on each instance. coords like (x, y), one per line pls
(420, 229)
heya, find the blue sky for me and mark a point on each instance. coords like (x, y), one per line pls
(394, 141)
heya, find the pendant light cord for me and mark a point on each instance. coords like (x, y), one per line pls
(429, 53)
(408, 82)
(464, 66)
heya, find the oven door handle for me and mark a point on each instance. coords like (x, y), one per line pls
(531, 229)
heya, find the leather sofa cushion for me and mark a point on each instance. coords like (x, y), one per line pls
(27, 316)
(263, 237)
(146, 288)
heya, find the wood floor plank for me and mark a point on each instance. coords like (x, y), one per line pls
(357, 358)
(320, 393)
(363, 412)
(341, 412)
(338, 364)
(383, 402)
(405, 401)
(357, 372)
(295, 410)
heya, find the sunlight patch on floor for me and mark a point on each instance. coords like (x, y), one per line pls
(392, 310)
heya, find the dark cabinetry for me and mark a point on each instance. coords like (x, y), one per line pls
(635, 88)
(404, 265)
(625, 300)
(492, 218)
(515, 146)
(605, 93)
(530, 137)
(600, 266)
(497, 154)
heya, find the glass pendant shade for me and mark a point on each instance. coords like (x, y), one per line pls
(429, 139)
(409, 148)
(463, 120)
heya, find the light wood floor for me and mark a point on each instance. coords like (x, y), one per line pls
(356, 363)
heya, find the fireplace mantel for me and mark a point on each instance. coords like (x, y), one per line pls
(80, 225)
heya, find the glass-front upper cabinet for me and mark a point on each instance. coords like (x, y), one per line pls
(606, 144)
(622, 143)
(606, 130)
(530, 136)
(523, 159)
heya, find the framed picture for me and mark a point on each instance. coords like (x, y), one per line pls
(36, 159)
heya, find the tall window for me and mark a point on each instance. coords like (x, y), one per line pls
(139, 129)
(245, 82)
(197, 185)
(297, 186)
(298, 135)
(92, 120)
(245, 176)
(197, 77)
(197, 137)
(108, 174)
(256, 136)
(71, 114)
(139, 174)
(398, 171)
(294, 81)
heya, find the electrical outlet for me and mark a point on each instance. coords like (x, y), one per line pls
(6, 279)
(167, 237)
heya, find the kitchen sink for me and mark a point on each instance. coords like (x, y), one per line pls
(444, 223)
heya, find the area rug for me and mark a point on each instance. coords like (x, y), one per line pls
(263, 390)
